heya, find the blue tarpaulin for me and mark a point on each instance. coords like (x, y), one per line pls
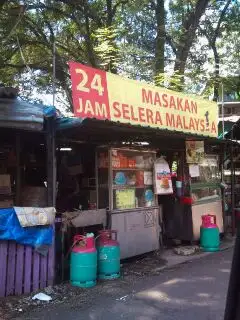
(10, 229)
(68, 122)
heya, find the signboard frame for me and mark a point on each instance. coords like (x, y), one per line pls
(105, 96)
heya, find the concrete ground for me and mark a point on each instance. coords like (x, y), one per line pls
(191, 291)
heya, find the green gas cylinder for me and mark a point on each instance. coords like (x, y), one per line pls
(83, 261)
(209, 234)
(108, 255)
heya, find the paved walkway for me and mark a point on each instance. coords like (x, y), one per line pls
(192, 291)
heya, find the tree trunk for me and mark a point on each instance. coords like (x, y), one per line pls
(160, 38)
(190, 25)
(216, 73)
(89, 43)
(212, 42)
(109, 13)
(110, 16)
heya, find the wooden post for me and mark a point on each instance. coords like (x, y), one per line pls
(18, 169)
(51, 189)
(51, 162)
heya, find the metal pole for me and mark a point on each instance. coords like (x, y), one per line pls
(97, 173)
(223, 125)
(222, 154)
(51, 162)
(232, 184)
(54, 73)
(18, 169)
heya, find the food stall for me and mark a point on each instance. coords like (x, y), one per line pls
(132, 128)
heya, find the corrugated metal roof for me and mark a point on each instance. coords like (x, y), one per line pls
(74, 123)
(19, 114)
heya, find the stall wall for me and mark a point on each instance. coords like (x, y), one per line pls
(138, 231)
(206, 208)
(22, 270)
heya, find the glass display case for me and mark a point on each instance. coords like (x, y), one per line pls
(206, 186)
(209, 171)
(206, 193)
(125, 178)
(125, 187)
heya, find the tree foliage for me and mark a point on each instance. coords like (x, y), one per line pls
(188, 45)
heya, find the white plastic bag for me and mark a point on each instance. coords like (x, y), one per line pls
(29, 216)
(162, 177)
(42, 297)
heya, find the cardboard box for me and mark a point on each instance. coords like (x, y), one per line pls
(5, 184)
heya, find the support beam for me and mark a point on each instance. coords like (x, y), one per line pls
(18, 170)
(51, 162)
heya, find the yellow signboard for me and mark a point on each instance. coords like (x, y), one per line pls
(105, 96)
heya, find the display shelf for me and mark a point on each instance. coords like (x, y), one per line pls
(129, 176)
(115, 187)
(207, 200)
(228, 193)
(207, 187)
(237, 186)
(132, 169)
(198, 185)
(209, 172)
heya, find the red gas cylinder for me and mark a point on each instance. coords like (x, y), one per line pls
(84, 243)
(108, 255)
(107, 238)
(209, 221)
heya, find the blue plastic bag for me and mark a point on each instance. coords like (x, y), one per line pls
(10, 229)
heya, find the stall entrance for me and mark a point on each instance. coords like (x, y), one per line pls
(23, 178)
(76, 199)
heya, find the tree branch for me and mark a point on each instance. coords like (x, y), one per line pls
(81, 7)
(190, 25)
(35, 66)
(217, 30)
(169, 41)
(119, 3)
(153, 5)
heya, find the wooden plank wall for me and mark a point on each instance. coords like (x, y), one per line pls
(22, 270)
